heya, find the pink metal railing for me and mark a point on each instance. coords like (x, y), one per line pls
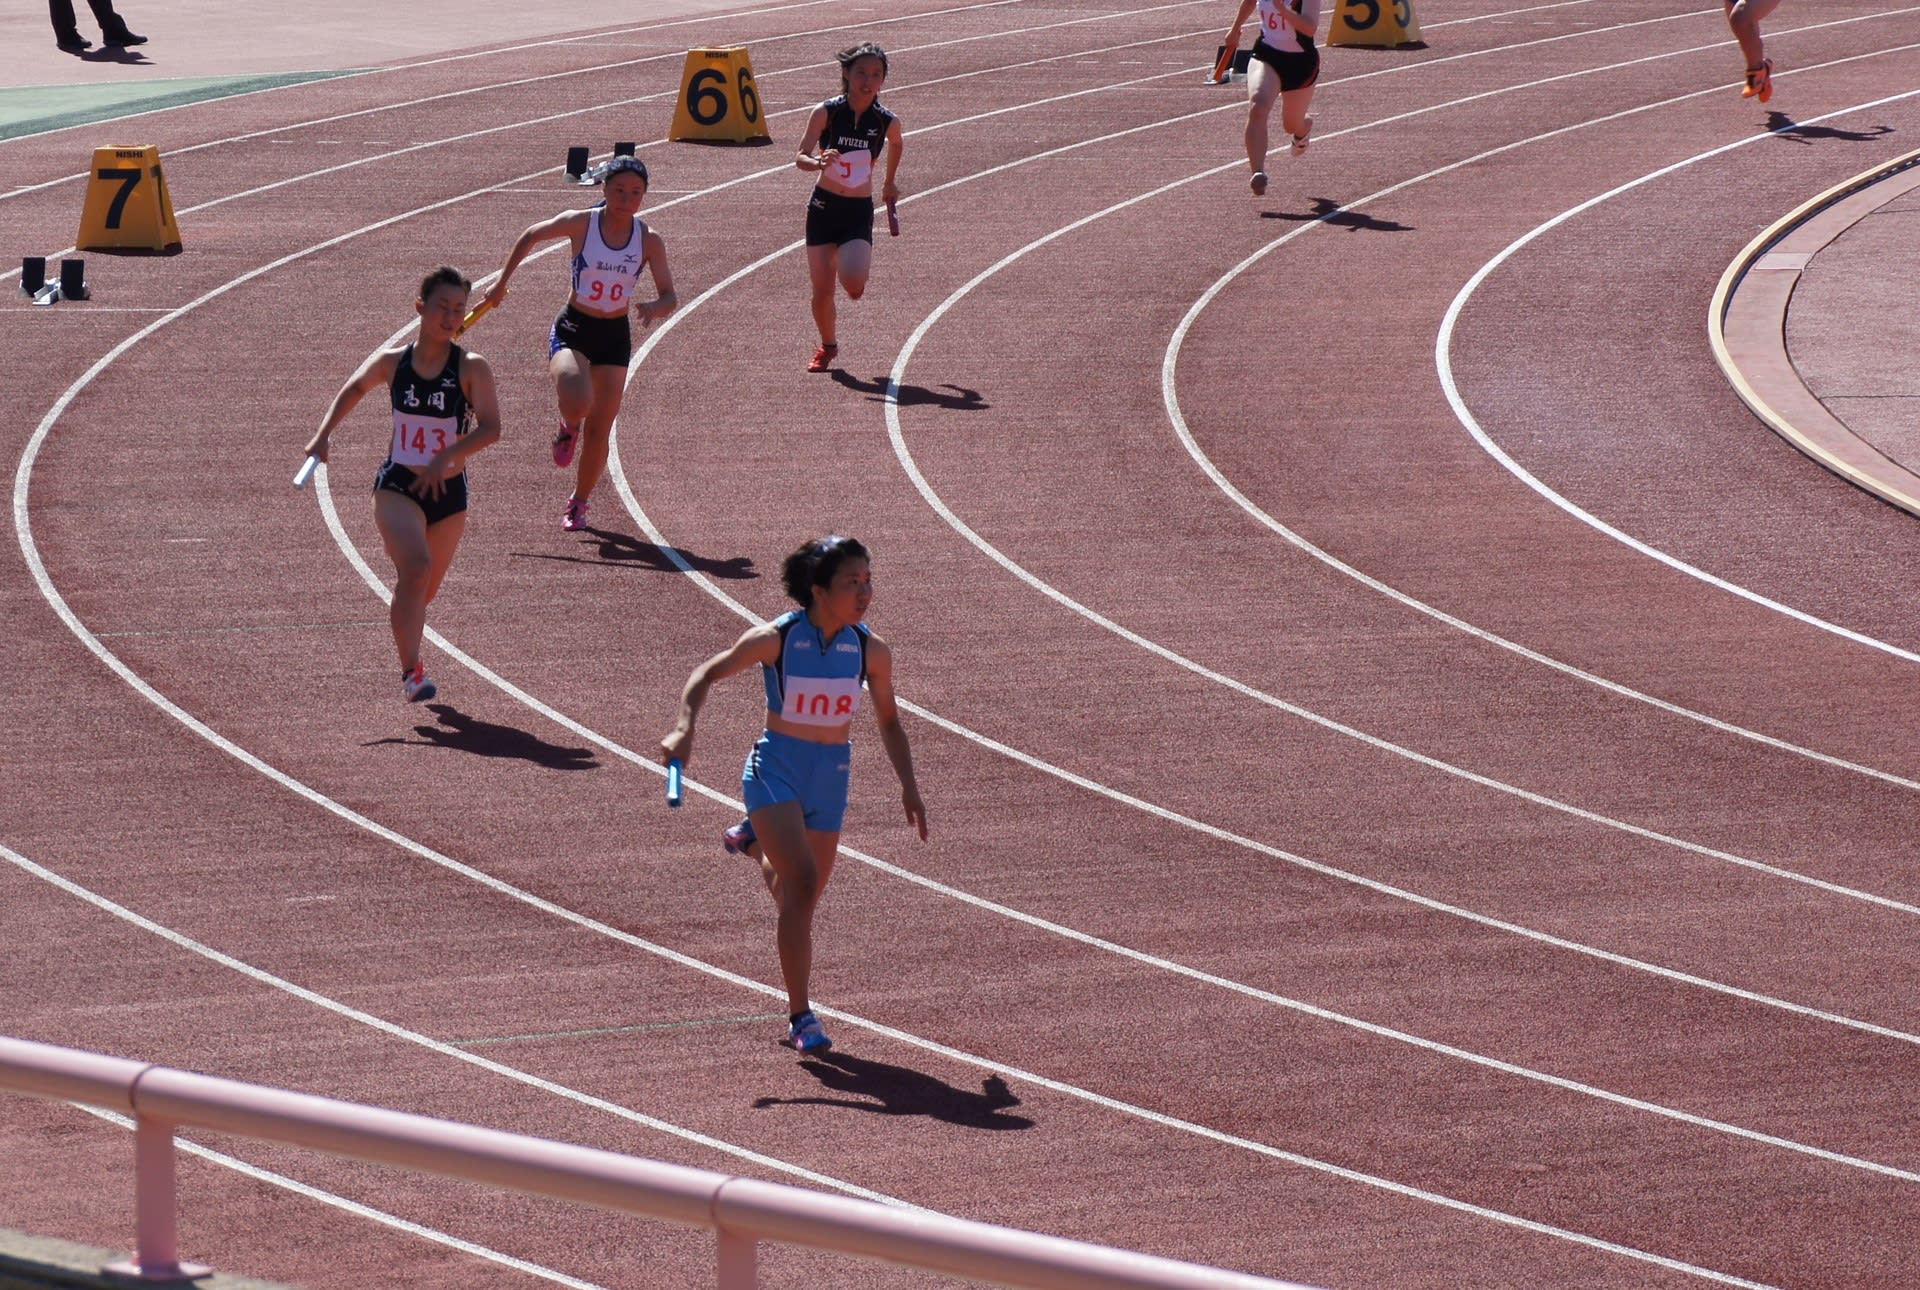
(741, 1211)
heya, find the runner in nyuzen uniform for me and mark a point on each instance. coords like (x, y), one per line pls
(444, 411)
(1285, 66)
(814, 660)
(846, 137)
(591, 342)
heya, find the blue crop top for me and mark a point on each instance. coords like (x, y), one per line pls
(816, 682)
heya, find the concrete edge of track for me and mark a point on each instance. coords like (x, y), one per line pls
(42, 1263)
(1747, 326)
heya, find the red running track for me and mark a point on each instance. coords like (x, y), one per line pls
(1410, 756)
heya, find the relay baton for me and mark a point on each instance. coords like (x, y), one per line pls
(307, 467)
(474, 315)
(1224, 67)
(893, 218)
(673, 782)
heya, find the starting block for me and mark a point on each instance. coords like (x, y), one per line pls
(71, 286)
(578, 171)
(1242, 58)
(626, 149)
(1380, 24)
(127, 206)
(719, 100)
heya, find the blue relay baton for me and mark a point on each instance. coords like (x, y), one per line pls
(674, 795)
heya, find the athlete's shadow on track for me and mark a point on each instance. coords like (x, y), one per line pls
(625, 549)
(463, 733)
(1323, 212)
(1787, 128)
(960, 399)
(899, 1090)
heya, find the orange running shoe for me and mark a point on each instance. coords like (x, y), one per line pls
(823, 358)
(1759, 81)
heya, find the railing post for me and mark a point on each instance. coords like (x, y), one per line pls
(157, 1242)
(737, 1257)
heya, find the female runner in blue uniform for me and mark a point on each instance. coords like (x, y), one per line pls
(846, 136)
(813, 660)
(591, 344)
(1286, 66)
(1744, 16)
(444, 411)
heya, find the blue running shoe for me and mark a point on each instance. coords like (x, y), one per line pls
(738, 838)
(805, 1035)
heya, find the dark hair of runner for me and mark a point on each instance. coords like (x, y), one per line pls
(848, 57)
(624, 165)
(815, 563)
(444, 276)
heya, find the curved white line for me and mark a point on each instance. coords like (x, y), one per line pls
(65, 612)
(1170, 399)
(353, 1207)
(397, 1031)
(904, 455)
(1401, 1190)
(30, 552)
(1443, 362)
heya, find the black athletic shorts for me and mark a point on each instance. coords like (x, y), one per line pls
(833, 220)
(396, 478)
(603, 342)
(1297, 71)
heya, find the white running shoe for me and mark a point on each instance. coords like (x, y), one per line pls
(1258, 183)
(1300, 140)
(416, 686)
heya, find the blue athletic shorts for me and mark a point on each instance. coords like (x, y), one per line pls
(784, 769)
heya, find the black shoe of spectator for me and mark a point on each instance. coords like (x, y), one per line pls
(122, 38)
(74, 43)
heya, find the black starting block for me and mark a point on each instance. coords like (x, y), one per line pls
(73, 279)
(577, 166)
(624, 149)
(1241, 59)
(33, 274)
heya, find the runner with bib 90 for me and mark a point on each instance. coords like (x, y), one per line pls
(591, 343)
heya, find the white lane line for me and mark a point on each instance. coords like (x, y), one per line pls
(1443, 362)
(21, 514)
(620, 751)
(525, 123)
(24, 529)
(404, 105)
(396, 1031)
(353, 1207)
(1401, 1190)
(1170, 399)
(933, 500)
